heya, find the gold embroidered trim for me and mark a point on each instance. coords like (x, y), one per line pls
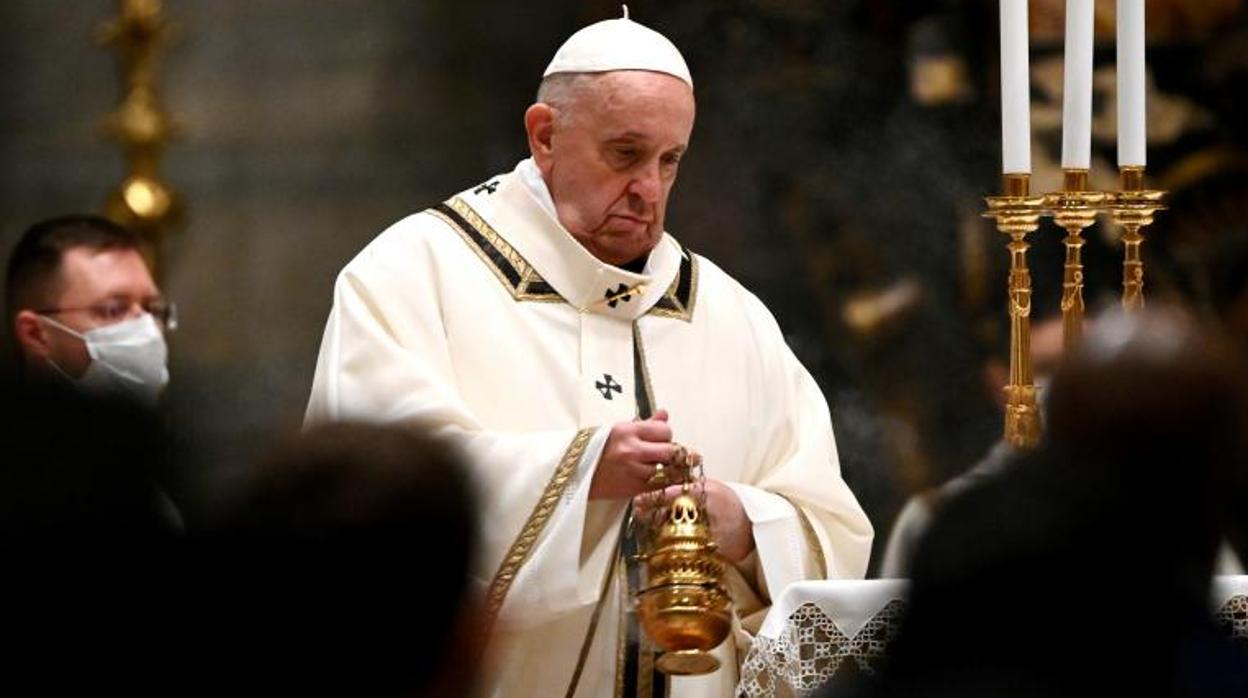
(528, 275)
(523, 545)
(529, 278)
(812, 539)
(681, 311)
(621, 641)
(607, 581)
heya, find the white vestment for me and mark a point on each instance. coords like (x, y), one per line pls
(484, 318)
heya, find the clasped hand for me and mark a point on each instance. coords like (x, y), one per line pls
(628, 462)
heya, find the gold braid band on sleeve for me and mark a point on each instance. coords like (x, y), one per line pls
(533, 527)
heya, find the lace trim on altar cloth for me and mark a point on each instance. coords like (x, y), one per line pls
(1232, 618)
(812, 650)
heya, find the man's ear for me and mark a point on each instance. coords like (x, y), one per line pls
(539, 124)
(31, 335)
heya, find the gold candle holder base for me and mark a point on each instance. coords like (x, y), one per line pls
(1017, 213)
(1132, 208)
(1075, 208)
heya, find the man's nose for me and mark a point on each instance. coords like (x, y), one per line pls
(647, 184)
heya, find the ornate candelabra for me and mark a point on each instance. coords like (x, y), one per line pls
(1132, 208)
(143, 201)
(1074, 209)
(1018, 213)
(683, 605)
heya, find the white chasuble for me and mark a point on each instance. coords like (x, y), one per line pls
(484, 318)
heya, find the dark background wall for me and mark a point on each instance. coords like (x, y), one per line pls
(829, 172)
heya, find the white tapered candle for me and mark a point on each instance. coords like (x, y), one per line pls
(1132, 139)
(1015, 89)
(1077, 87)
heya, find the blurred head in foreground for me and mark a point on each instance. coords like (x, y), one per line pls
(1099, 544)
(346, 560)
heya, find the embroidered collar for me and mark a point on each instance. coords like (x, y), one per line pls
(537, 260)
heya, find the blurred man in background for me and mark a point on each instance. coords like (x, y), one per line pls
(83, 308)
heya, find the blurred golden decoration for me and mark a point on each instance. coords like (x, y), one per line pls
(683, 607)
(143, 201)
(1170, 116)
(940, 79)
(867, 313)
(1168, 20)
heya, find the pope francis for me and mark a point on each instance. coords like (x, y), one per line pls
(546, 321)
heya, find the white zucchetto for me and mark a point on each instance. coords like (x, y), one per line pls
(618, 44)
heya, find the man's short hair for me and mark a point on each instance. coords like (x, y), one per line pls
(562, 90)
(32, 274)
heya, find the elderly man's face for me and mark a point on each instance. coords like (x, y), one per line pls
(611, 163)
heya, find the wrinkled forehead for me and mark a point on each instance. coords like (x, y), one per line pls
(643, 86)
(639, 101)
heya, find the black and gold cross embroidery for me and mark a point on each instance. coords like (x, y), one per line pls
(608, 386)
(623, 294)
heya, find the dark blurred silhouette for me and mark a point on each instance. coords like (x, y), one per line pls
(1084, 568)
(341, 568)
(85, 538)
(78, 471)
(1230, 303)
(916, 515)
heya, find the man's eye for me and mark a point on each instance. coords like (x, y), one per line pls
(625, 153)
(114, 310)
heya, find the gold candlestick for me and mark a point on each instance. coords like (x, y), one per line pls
(144, 201)
(1074, 208)
(1018, 213)
(1132, 209)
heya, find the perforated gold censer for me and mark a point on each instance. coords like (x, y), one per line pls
(683, 606)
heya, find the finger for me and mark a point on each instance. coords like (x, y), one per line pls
(651, 453)
(652, 430)
(671, 492)
(646, 502)
(659, 415)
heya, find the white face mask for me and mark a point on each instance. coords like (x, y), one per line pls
(127, 357)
